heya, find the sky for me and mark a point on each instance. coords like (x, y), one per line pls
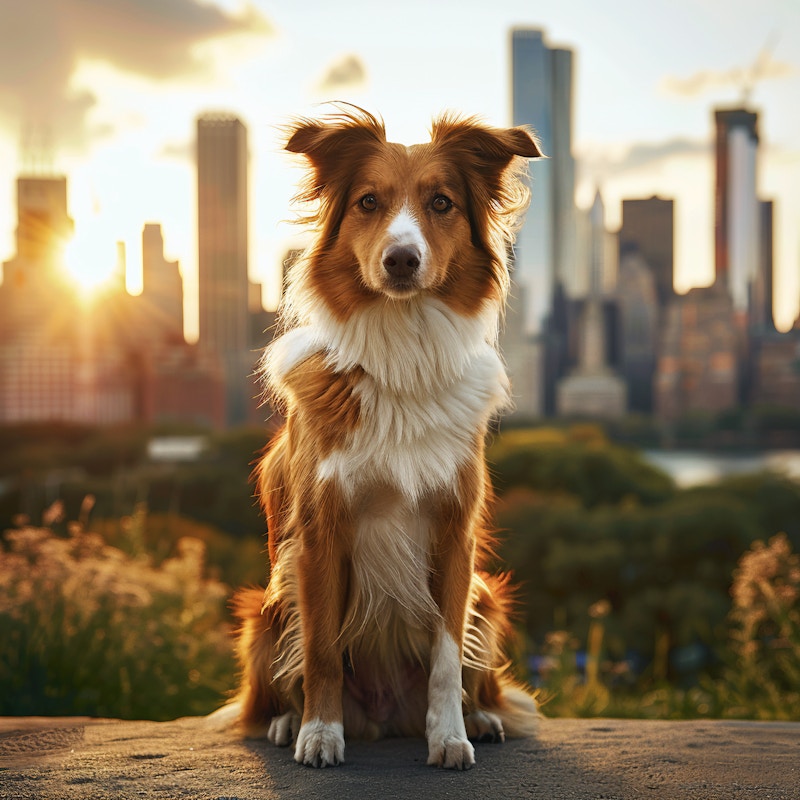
(107, 92)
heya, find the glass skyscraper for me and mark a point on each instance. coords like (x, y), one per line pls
(542, 99)
(544, 255)
(737, 221)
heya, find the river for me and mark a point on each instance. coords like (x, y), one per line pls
(695, 467)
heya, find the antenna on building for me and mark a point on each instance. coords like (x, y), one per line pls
(36, 151)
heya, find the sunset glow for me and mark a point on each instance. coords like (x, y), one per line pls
(91, 259)
(118, 112)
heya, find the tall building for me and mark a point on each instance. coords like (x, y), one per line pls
(222, 254)
(542, 99)
(776, 373)
(736, 223)
(544, 254)
(639, 319)
(699, 357)
(162, 286)
(648, 228)
(39, 335)
(44, 228)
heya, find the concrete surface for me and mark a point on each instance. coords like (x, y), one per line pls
(599, 759)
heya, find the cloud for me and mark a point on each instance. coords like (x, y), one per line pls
(42, 43)
(179, 151)
(644, 154)
(348, 72)
(599, 163)
(744, 78)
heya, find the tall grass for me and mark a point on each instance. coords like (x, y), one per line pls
(86, 628)
(760, 678)
(91, 628)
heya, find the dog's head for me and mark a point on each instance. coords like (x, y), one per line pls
(397, 221)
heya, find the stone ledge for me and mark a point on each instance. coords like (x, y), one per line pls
(85, 759)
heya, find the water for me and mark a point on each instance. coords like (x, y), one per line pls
(694, 467)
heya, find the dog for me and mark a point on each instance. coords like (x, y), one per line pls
(380, 617)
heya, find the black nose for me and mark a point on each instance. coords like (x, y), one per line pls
(401, 261)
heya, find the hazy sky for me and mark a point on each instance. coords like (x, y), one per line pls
(108, 91)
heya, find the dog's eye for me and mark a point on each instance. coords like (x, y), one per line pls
(441, 203)
(368, 202)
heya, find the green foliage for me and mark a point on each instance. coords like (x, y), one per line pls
(578, 461)
(769, 419)
(761, 677)
(583, 519)
(86, 628)
(128, 621)
(39, 464)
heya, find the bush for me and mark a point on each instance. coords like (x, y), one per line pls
(578, 461)
(761, 678)
(87, 629)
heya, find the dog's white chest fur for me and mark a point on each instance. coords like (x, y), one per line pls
(432, 379)
(416, 444)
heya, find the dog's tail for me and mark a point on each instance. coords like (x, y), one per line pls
(225, 717)
(488, 634)
(517, 708)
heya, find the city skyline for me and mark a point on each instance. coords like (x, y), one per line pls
(121, 123)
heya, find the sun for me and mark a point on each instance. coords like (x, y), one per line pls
(91, 259)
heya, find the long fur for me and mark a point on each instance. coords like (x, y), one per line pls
(380, 618)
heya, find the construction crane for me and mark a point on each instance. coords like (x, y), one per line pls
(758, 70)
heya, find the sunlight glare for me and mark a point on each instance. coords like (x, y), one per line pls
(91, 259)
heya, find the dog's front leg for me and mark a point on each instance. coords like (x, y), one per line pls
(320, 742)
(448, 745)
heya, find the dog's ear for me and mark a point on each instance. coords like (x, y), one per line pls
(493, 161)
(490, 149)
(332, 145)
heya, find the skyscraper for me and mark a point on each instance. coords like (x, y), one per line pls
(736, 224)
(648, 228)
(542, 99)
(43, 228)
(544, 255)
(222, 253)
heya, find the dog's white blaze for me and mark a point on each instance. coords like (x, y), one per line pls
(405, 229)
(320, 743)
(445, 720)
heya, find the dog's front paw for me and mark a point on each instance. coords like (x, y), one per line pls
(451, 752)
(320, 744)
(282, 729)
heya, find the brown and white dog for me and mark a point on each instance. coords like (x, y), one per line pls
(379, 619)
